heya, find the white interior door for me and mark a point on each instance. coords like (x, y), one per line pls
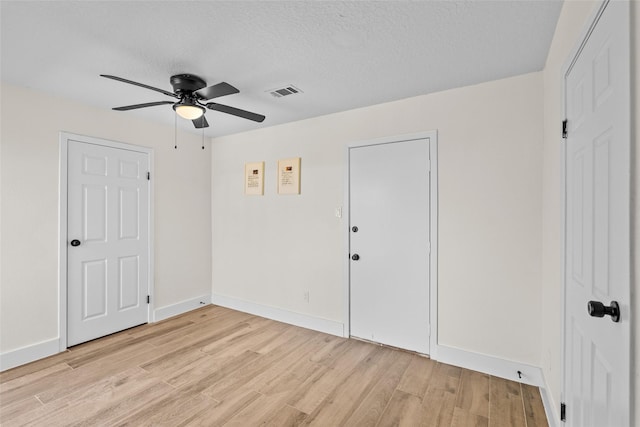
(389, 243)
(107, 240)
(597, 349)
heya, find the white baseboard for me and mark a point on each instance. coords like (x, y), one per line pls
(30, 353)
(504, 369)
(180, 307)
(549, 408)
(303, 320)
(491, 365)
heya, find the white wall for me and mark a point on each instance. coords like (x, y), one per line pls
(29, 188)
(268, 250)
(573, 19)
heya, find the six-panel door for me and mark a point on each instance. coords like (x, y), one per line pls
(108, 240)
(597, 350)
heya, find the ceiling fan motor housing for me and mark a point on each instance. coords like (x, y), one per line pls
(186, 83)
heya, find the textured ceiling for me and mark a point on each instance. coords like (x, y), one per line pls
(342, 55)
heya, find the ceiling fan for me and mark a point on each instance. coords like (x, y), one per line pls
(191, 91)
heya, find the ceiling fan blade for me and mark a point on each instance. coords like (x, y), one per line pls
(235, 112)
(120, 79)
(148, 104)
(215, 91)
(200, 122)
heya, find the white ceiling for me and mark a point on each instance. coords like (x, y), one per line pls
(341, 54)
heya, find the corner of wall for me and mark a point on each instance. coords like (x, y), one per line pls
(181, 307)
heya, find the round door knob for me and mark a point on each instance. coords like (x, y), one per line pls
(354, 229)
(355, 257)
(75, 242)
(598, 309)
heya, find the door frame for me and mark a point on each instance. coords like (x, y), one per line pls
(570, 61)
(65, 137)
(432, 136)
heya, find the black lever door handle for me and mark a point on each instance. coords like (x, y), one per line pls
(355, 257)
(598, 309)
(75, 242)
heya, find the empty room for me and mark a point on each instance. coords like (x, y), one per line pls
(328, 213)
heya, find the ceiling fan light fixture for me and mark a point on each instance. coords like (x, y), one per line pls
(188, 111)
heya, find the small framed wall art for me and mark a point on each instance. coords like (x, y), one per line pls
(254, 179)
(289, 176)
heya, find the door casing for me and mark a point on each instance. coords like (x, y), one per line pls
(62, 224)
(433, 229)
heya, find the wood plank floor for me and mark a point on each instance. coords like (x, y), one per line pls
(216, 366)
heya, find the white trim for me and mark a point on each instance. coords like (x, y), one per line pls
(502, 368)
(432, 136)
(491, 365)
(62, 244)
(181, 307)
(584, 35)
(346, 248)
(62, 224)
(150, 273)
(549, 408)
(30, 353)
(433, 260)
(281, 315)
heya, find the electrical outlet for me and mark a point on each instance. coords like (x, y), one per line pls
(306, 296)
(339, 212)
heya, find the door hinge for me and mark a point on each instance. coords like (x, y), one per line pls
(148, 299)
(563, 412)
(148, 176)
(564, 129)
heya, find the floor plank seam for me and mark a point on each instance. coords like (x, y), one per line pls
(489, 399)
(170, 385)
(524, 408)
(387, 404)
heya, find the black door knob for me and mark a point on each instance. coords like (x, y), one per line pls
(354, 229)
(598, 309)
(355, 257)
(75, 242)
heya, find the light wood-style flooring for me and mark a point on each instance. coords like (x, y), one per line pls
(215, 366)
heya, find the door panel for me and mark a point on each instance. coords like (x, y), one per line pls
(94, 213)
(108, 213)
(94, 285)
(597, 350)
(389, 203)
(129, 207)
(129, 287)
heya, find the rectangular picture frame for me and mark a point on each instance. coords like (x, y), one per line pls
(289, 176)
(254, 179)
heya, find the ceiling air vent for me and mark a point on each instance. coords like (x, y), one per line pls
(285, 91)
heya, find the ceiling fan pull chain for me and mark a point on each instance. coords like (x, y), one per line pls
(203, 138)
(175, 131)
